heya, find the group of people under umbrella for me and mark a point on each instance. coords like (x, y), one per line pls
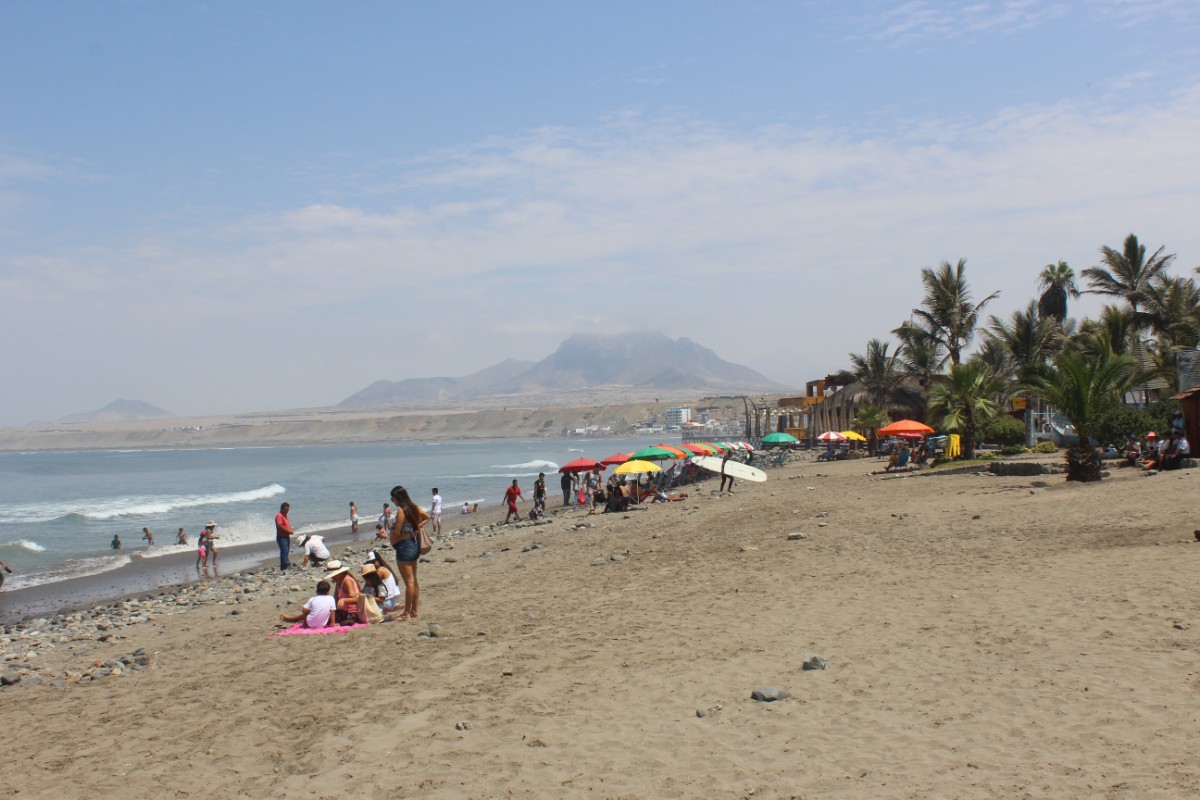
(648, 459)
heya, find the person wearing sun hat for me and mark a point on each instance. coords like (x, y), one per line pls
(345, 592)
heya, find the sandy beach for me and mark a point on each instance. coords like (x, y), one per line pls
(984, 636)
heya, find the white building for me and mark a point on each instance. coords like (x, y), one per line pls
(677, 415)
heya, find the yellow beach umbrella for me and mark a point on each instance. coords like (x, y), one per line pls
(854, 436)
(637, 467)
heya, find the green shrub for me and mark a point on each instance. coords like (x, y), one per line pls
(1118, 422)
(1002, 430)
(1013, 450)
(1045, 447)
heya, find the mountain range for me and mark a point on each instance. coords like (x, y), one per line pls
(642, 361)
(119, 411)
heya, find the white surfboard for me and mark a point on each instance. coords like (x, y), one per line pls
(735, 469)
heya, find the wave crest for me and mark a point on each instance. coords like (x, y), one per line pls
(538, 464)
(133, 506)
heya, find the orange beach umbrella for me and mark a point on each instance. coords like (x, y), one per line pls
(904, 426)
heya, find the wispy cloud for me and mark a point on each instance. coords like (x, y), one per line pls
(924, 19)
(505, 247)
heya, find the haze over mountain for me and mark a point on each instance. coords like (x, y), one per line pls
(643, 361)
(119, 411)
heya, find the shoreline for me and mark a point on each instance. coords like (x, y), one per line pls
(162, 574)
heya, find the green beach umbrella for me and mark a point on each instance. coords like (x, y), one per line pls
(652, 454)
(779, 438)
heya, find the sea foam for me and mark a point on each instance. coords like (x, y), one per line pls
(131, 506)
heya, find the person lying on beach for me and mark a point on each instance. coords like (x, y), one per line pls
(318, 611)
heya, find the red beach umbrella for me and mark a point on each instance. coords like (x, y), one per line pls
(614, 459)
(580, 465)
(696, 449)
(670, 448)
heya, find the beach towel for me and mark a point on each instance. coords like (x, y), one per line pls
(299, 630)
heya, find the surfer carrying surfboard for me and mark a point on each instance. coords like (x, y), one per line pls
(724, 476)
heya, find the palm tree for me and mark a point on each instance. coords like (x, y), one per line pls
(1115, 330)
(920, 353)
(1082, 386)
(1057, 283)
(1171, 310)
(947, 313)
(967, 395)
(1126, 273)
(1029, 338)
(868, 421)
(877, 371)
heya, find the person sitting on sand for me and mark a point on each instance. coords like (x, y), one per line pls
(181, 537)
(387, 573)
(318, 611)
(380, 531)
(345, 593)
(466, 509)
(148, 537)
(385, 591)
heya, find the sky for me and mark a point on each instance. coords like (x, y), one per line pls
(218, 207)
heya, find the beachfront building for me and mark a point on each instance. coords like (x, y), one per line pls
(677, 415)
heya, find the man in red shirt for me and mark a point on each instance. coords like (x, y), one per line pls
(510, 496)
(283, 534)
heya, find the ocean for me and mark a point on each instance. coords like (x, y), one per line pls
(60, 510)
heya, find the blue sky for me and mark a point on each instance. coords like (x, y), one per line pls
(227, 206)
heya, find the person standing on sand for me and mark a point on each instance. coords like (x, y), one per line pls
(511, 494)
(211, 530)
(115, 544)
(148, 537)
(593, 488)
(202, 549)
(565, 483)
(353, 517)
(539, 491)
(725, 477)
(6, 570)
(435, 512)
(283, 536)
(405, 539)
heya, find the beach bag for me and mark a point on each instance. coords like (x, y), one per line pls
(370, 610)
(581, 498)
(424, 541)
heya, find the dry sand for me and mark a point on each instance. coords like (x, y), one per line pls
(985, 637)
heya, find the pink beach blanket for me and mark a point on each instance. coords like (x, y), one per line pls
(299, 630)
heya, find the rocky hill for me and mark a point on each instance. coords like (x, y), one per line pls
(645, 361)
(119, 411)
